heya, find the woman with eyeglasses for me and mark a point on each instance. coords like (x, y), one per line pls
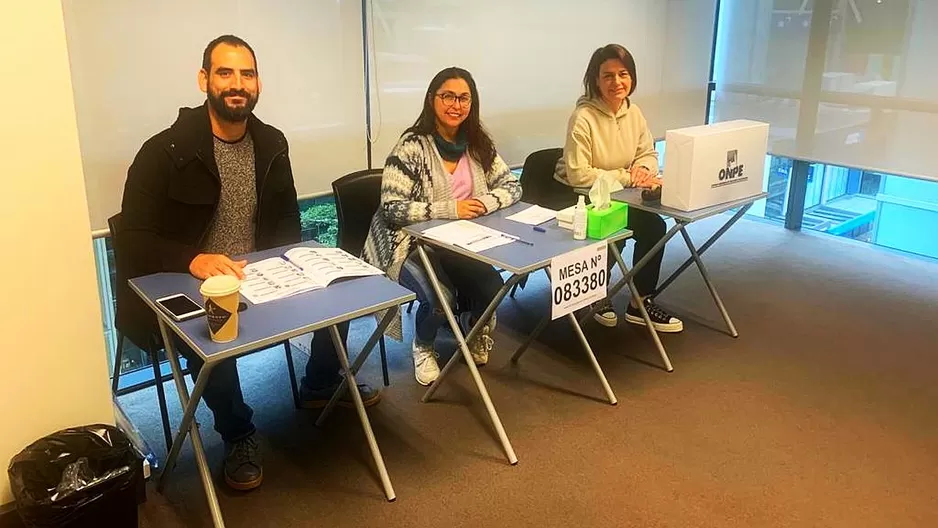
(608, 137)
(444, 166)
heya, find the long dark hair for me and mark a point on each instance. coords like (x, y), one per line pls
(601, 55)
(481, 147)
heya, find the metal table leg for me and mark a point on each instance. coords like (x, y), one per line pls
(589, 353)
(641, 308)
(473, 370)
(578, 330)
(190, 426)
(706, 245)
(531, 338)
(695, 259)
(360, 407)
(293, 388)
(541, 325)
(713, 291)
(359, 361)
(628, 274)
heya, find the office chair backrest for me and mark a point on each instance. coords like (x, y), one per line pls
(115, 226)
(133, 320)
(538, 183)
(357, 197)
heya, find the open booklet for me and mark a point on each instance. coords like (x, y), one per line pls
(298, 270)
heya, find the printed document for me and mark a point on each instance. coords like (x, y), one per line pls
(469, 235)
(298, 270)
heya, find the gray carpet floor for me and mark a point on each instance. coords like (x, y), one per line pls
(822, 412)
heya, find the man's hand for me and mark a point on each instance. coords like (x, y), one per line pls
(642, 177)
(469, 209)
(206, 265)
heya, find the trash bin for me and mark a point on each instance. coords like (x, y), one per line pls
(84, 476)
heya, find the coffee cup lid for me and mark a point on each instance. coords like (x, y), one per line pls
(220, 285)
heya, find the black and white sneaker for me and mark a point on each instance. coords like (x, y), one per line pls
(605, 313)
(662, 320)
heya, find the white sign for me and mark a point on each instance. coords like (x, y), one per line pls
(577, 279)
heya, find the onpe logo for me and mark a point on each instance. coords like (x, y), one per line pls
(733, 169)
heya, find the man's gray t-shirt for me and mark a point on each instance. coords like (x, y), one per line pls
(232, 229)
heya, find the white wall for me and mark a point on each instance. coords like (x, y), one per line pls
(529, 60)
(135, 62)
(53, 372)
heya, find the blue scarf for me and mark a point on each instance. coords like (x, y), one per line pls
(451, 151)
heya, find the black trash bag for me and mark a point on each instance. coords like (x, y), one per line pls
(84, 476)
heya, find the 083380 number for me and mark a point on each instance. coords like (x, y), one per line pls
(581, 286)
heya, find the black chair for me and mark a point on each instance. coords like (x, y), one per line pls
(151, 343)
(357, 198)
(538, 184)
(539, 187)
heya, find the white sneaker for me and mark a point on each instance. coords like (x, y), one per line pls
(482, 343)
(426, 370)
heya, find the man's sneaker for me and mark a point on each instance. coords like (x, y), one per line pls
(660, 319)
(319, 398)
(605, 314)
(244, 469)
(482, 343)
(426, 369)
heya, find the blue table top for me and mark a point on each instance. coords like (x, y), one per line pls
(264, 324)
(633, 197)
(516, 257)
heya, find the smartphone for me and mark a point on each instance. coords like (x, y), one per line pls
(180, 307)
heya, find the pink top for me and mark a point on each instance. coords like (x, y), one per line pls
(462, 179)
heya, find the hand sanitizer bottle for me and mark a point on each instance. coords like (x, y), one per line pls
(579, 219)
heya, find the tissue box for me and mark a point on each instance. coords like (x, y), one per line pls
(600, 224)
(713, 164)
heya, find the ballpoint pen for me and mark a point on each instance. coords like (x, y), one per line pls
(477, 239)
(518, 239)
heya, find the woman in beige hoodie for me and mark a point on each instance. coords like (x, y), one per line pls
(608, 137)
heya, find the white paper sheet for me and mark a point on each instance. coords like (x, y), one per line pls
(534, 215)
(469, 235)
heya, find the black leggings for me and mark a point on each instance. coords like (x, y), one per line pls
(648, 229)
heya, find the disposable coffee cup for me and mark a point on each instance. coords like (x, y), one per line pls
(221, 306)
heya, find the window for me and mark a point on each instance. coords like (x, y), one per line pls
(862, 113)
(883, 209)
(318, 220)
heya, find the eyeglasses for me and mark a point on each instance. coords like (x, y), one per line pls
(449, 98)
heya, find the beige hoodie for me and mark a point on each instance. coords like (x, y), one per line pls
(600, 143)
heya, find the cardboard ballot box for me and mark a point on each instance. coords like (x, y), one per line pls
(713, 164)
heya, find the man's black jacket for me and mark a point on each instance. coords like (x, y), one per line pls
(171, 197)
